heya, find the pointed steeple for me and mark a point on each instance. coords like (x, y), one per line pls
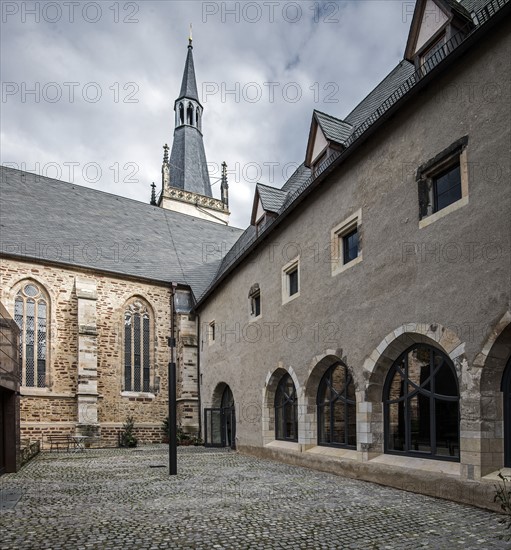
(188, 165)
(189, 82)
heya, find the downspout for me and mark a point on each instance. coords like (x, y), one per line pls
(199, 374)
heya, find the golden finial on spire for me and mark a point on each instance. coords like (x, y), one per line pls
(190, 38)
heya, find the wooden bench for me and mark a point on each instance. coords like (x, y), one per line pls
(58, 442)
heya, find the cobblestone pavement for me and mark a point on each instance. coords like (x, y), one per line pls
(121, 498)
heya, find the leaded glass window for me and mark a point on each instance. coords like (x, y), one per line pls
(422, 405)
(286, 410)
(137, 346)
(337, 408)
(31, 315)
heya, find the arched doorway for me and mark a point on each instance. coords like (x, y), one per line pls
(220, 422)
(506, 390)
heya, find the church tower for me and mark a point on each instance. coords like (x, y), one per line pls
(186, 185)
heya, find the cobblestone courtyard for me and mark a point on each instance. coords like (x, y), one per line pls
(105, 499)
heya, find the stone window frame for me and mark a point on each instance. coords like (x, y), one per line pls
(151, 394)
(211, 332)
(337, 235)
(254, 292)
(44, 295)
(450, 157)
(289, 268)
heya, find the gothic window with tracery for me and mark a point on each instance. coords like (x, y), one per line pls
(137, 347)
(31, 315)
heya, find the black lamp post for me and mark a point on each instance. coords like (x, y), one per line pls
(172, 390)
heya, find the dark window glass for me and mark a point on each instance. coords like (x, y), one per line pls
(30, 313)
(337, 408)
(421, 405)
(137, 348)
(286, 410)
(447, 188)
(127, 352)
(256, 305)
(350, 246)
(293, 281)
(146, 371)
(212, 331)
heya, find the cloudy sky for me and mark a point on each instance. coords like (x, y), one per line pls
(88, 88)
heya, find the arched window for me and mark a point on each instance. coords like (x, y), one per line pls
(421, 405)
(181, 114)
(337, 408)
(189, 114)
(286, 410)
(197, 118)
(31, 315)
(137, 347)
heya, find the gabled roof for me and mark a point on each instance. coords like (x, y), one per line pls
(272, 198)
(331, 129)
(452, 10)
(334, 129)
(401, 83)
(82, 227)
(189, 82)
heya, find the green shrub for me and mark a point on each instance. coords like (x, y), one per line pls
(127, 437)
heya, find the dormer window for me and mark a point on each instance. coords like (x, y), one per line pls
(434, 53)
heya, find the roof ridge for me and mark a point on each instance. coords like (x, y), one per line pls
(332, 116)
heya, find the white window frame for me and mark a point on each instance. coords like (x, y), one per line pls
(337, 235)
(286, 270)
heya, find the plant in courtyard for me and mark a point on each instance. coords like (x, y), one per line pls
(183, 438)
(503, 496)
(127, 437)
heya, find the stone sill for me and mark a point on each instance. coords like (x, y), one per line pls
(423, 464)
(350, 454)
(494, 476)
(285, 445)
(137, 394)
(44, 392)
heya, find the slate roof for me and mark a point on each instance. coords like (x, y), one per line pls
(189, 83)
(393, 87)
(188, 164)
(334, 129)
(385, 88)
(272, 198)
(83, 227)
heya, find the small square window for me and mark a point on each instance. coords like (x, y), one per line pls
(291, 281)
(443, 183)
(255, 303)
(447, 188)
(345, 243)
(350, 246)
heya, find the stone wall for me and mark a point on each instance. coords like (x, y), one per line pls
(445, 284)
(85, 355)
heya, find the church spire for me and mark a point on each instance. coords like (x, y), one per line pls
(188, 165)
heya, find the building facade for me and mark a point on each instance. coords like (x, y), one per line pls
(362, 323)
(93, 280)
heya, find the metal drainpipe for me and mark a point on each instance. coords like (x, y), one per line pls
(199, 374)
(171, 382)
